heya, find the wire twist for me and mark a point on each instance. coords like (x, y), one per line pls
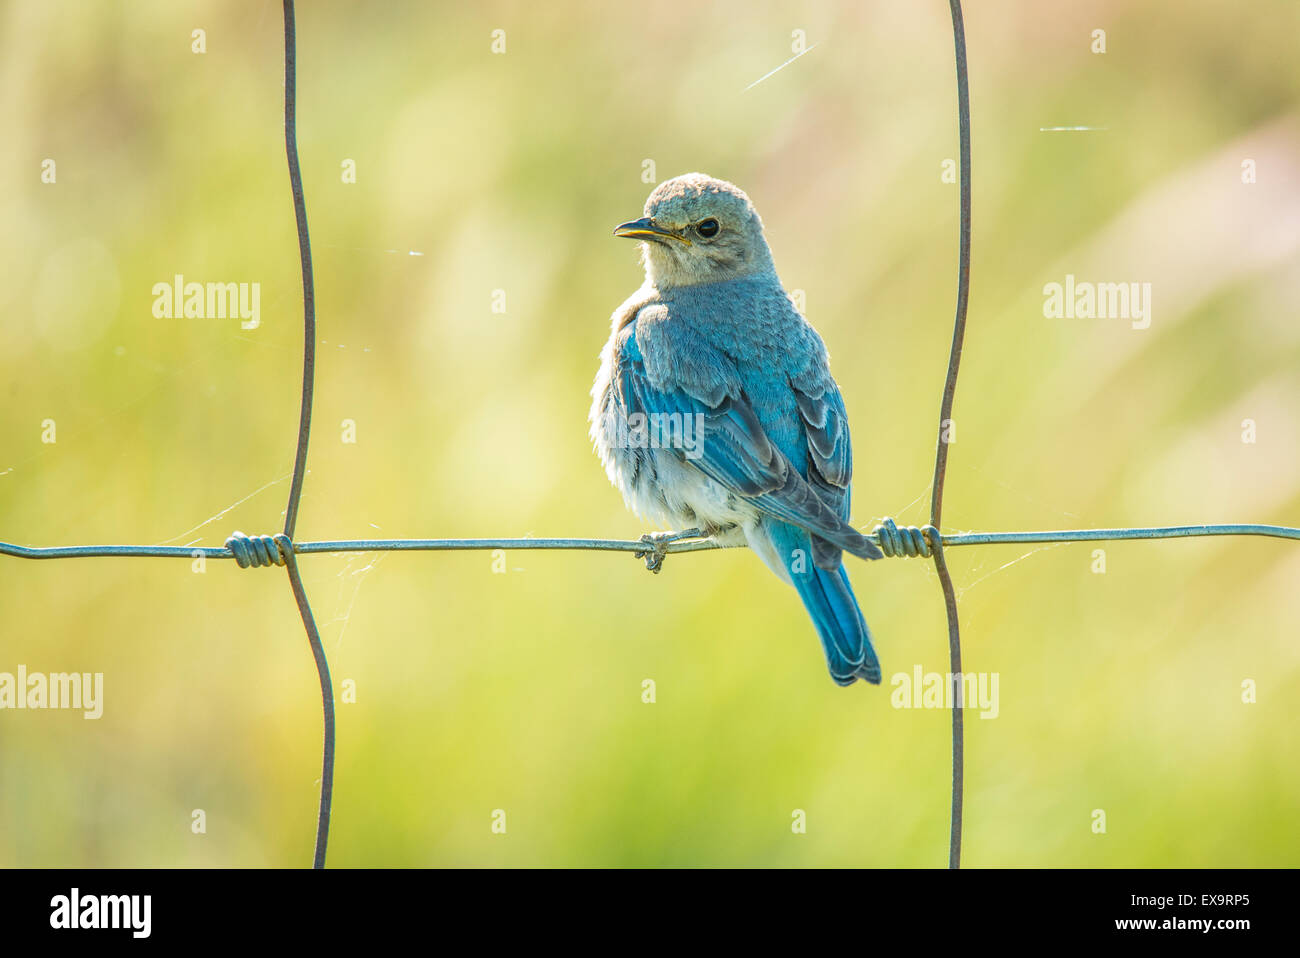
(907, 542)
(255, 551)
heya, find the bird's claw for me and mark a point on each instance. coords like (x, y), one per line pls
(657, 547)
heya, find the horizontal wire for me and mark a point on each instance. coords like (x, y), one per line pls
(1099, 535)
(634, 545)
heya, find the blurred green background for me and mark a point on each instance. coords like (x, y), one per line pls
(521, 690)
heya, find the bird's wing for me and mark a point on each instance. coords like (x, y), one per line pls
(732, 448)
(830, 455)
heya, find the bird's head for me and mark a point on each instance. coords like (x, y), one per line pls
(697, 229)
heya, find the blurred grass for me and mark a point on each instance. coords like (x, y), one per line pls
(522, 691)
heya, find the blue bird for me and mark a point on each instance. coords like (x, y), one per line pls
(714, 408)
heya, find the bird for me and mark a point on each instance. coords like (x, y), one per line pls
(715, 414)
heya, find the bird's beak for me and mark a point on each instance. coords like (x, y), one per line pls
(646, 228)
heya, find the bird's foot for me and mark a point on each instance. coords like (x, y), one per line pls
(657, 546)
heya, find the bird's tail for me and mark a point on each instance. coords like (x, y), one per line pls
(829, 598)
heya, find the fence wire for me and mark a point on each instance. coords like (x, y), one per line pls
(909, 541)
(897, 541)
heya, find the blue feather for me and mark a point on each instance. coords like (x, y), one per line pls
(829, 599)
(738, 454)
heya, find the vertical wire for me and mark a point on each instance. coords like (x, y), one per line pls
(304, 252)
(285, 541)
(327, 705)
(941, 453)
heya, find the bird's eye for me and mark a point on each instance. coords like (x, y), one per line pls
(707, 228)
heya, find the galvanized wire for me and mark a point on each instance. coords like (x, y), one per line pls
(950, 540)
(941, 452)
(284, 542)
